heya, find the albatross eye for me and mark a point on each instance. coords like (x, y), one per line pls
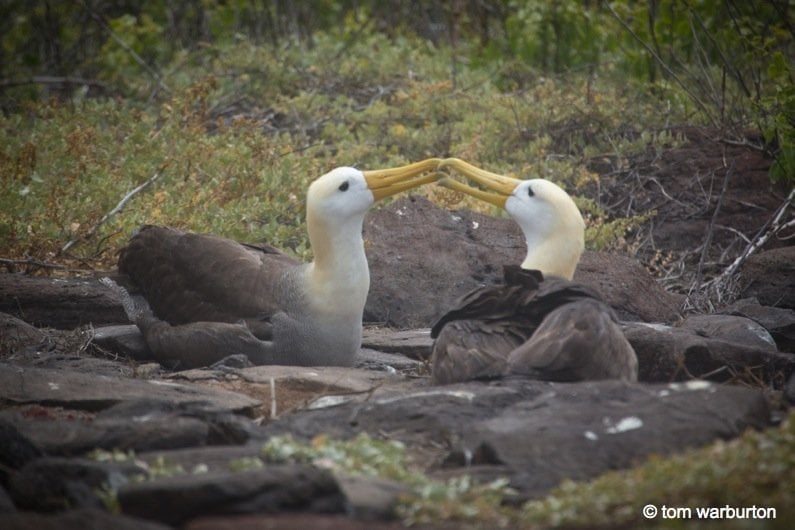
(530, 191)
(344, 186)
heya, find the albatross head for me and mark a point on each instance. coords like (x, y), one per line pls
(552, 224)
(346, 192)
(335, 208)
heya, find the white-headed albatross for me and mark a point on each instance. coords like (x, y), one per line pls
(539, 323)
(211, 297)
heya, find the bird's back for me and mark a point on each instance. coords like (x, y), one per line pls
(189, 277)
(481, 336)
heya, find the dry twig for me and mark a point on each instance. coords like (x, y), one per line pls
(137, 58)
(31, 262)
(771, 228)
(664, 66)
(711, 228)
(53, 80)
(122, 203)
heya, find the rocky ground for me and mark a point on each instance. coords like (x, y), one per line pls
(75, 378)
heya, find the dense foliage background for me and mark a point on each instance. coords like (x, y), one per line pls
(227, 109)
(215, 116)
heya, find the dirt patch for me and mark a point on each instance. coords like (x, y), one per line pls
(685, 185)
(289, 397)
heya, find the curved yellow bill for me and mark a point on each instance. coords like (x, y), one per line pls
(502, 185)
(496, 199)
(387, 182)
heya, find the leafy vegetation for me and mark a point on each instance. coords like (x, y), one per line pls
(229, 166)
(755, 469)
(231, 116)
(226, 110)
(426, 501)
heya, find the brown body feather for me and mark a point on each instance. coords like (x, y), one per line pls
(550, 329)
(188, 277)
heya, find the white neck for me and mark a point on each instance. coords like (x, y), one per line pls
(552, 225)
(553, 256)
(550, 265)
(338, 279)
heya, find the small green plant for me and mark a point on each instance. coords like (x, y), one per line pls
(109, 498)
(756, 469)
(114, 455)
(753, 470)
(246, 463)
(428, 500)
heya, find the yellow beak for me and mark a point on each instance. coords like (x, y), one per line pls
(387, 182)
(502, 185)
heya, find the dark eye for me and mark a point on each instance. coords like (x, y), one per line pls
(530, 191)
(344, 186)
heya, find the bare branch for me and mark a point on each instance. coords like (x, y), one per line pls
(774, 227)
(729, 65)
(273, 398)
(33, 262)
(711, 228)
(663, 64)
(52, 80)
(122, 203)
(137, 58)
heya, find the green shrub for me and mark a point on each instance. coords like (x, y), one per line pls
(246, 128)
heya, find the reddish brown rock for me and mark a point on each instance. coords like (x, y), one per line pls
(414, 280)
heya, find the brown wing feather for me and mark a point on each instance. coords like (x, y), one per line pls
(552, 324)
(190, 277)
(472, 349)
(577, 341)
(493, 302)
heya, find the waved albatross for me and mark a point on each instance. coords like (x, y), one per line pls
(208, 297)
(539, 323)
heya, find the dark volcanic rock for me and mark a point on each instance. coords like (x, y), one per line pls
(17, 335)
(76, 520)
(86, 391)
(735, 329)
(555, 437)
(413, 343)
(60, 360)
(770, 277)
(779, 322)
(289, 521)
(222, 426)
(6, 504)
(15, 449)
(628, 287)
(55, 484)
(414, 280)
(540, 432)
(137, 425)
(789, 389)
(365, 497)
(675, 354)
(69, 438)
(176, 499)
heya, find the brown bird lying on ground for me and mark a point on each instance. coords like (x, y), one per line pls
(539, 323)
(211, 297)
